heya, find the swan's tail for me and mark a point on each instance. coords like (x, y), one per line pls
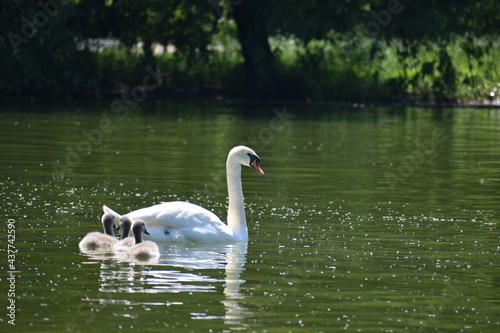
(106, 209)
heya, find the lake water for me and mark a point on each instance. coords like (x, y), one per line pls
(368, 219)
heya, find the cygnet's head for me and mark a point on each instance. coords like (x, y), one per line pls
(125, 225)
(138, 228)
(108, 221)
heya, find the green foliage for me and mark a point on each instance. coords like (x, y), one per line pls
(351, 51)
(39, 50)
(118, 68)
(351, 68)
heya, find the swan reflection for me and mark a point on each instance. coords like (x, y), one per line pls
(180, 269)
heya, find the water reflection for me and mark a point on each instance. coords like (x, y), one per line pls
(234, 312)
(176, 271)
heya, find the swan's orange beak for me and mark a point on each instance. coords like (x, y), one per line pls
(255, 165)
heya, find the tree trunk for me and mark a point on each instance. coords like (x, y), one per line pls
(260, 65)
(147, 48)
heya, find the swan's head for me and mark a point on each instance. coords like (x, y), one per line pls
(245, 156)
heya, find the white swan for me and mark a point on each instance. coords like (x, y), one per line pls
(183, 221)
(141, 249)
(125, 242)
(98, 240)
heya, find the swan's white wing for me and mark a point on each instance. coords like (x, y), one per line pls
(175, 214)
(182, 221)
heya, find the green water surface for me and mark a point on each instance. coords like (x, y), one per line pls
(368, 219)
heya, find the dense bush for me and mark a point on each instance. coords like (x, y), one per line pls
(357, 52)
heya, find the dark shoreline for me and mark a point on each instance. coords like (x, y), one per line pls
(75, 99)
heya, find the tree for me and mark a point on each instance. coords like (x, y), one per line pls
(260, 65)
(44, 45)
(414, 23)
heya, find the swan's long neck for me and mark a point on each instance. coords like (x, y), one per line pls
(236, 219)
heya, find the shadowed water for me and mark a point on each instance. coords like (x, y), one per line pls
(382, 219)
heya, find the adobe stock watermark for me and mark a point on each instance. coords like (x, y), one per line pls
(290, 281)
(258, 142)
(85, 313)
(121, 108)
(30, 27)
(265, 136)
(11, 271)
(424, 318)
(424, 150)
(218, 9)
(383, 17)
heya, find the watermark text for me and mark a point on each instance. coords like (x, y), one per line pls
(11, 271)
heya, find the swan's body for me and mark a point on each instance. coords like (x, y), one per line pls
(183, 221)
(141, 249)
(98, 240)
(125, 242)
